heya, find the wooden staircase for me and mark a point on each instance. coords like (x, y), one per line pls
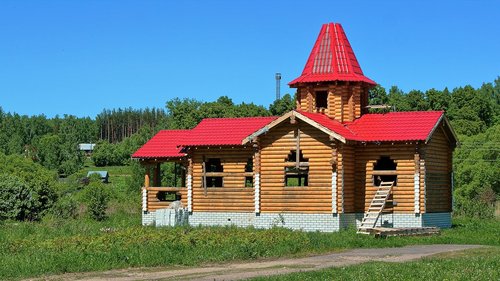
(376, 206)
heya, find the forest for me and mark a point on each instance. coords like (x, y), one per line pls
(41, 166)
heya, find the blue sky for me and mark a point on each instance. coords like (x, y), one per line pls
(79, 57)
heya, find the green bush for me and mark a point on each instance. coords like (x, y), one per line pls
(16, 198)
(65, 208)
(97, 199)
(33, 179)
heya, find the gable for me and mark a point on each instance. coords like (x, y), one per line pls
(318, 121)
(443, 129)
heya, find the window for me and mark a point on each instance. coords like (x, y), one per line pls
(321, 99)
(213, 167)
(296, 169)
(249, 169)
(384, 170)
(168, 196)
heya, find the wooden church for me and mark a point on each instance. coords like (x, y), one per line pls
(327, 165)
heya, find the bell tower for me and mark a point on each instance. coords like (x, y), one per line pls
(332, 81)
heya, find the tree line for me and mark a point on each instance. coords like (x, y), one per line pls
(52, 142)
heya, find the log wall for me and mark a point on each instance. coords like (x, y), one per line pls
(155, 204)
(346, 102)
(438, 168)
(403, 193)
(345, 182)
(233, 196)
(275, 146)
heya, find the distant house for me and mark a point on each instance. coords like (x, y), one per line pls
(86, 147)
(103, 174)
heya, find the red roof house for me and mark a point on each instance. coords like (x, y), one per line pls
(324, 166)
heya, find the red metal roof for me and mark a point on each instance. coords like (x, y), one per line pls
(395, 126)
(392, 126)
(332, 59)
(209, 132)
(225, 131)
(330, 124)
(164, 144)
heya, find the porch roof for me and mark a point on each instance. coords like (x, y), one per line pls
(165, 144)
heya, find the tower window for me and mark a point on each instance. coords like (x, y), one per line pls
(321, 99)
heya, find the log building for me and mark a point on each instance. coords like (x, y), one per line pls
(324, 166)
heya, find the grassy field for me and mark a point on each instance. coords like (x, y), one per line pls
(478, 264)
(58, 246)
(54, 245)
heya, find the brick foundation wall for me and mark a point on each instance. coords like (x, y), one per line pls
(148, 218)
(306, 222)
(441, 220)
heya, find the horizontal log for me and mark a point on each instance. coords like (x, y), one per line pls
(223, 209)
(294, 209)
(229, 204)
(180, 189)
(295, 199)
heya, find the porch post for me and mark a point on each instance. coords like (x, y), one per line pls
(334, 162)
(190, 185)
(256, 179)
(416, 180)
(156, 175)
(147, 176)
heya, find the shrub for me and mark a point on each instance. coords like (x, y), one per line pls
(38, 181)
(16, 199)
(97, 199)
(65, 208)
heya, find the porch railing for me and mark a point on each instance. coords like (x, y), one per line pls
(152, 198)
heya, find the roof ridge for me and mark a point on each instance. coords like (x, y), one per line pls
(405, 112)
(226, 118)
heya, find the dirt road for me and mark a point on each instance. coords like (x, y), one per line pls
(238, 271)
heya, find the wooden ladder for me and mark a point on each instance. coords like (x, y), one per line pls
(376, 207)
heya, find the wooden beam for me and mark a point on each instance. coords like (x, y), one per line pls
(204, 175)
(297, 147)
(146, 177)
(156, 175)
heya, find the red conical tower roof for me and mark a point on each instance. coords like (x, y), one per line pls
(332, 59)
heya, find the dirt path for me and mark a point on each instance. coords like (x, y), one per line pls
(238, 271)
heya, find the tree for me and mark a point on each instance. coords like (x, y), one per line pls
(49, 151)
(377, 96)
(470, 110)
(398, 100)
(438, 100)
(183, 114)
(417, 101)
(476, 169)
(283, 105)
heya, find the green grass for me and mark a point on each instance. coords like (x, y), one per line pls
(477, 264)
(55, 246)
(58, 246)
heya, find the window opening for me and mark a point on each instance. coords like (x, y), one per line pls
(296, 169)
(384, 170)
(249, 169)
(321, 99)
(168, 196)
(213, 165)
